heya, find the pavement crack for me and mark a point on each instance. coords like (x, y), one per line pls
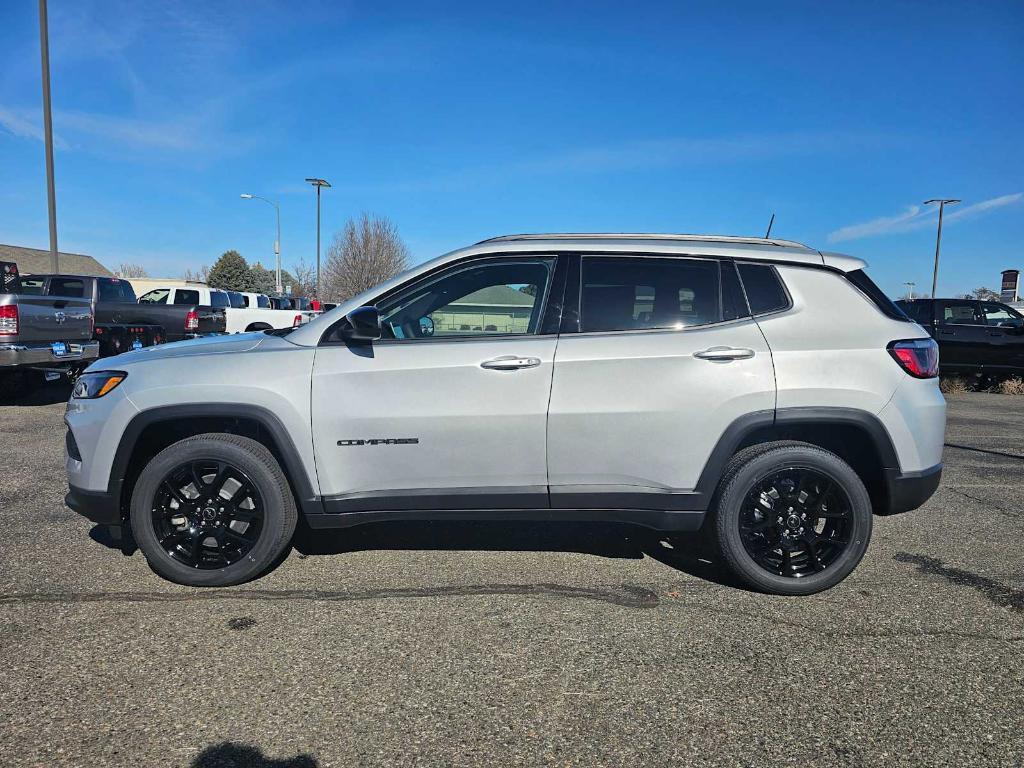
(998, 594)
(624, 595)
(986, 503)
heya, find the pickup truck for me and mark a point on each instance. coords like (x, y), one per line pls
(975, 337)
(297, 304)
(239, 318)
(194, 314)
(121, 324)
(52, 334)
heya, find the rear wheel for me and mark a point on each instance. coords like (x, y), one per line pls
(212, 510)
(792, 518)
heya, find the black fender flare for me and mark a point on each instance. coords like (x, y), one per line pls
(309, 501)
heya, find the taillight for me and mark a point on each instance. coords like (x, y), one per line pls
(297, 321)
(9, 320)
(192, 320)
(918, 357)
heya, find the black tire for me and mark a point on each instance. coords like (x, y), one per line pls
(276, 507)
(813, 554)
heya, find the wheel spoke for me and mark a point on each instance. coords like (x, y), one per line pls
(778, 522)
(215, 544)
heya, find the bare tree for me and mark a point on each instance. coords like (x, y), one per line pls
(365, 253)
(131, 270)
(983, 294)
(201, 275)
(303, 279)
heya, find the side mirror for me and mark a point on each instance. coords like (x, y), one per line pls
(364, 324)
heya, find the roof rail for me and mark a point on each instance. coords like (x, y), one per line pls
(646, 236)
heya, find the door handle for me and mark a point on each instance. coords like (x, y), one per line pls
(995, 333)
(724, 353)
(947, 333)
(510, 363)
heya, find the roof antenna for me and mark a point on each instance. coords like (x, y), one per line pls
(769, 232)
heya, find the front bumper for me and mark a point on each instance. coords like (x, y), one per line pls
(910, 490)
(42, 355)
(98, 506)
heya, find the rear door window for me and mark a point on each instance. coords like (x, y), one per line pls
(116, 291)
(188, 296)
(263, 302)
(960, 313)
(1000, 314)
(640, 293)
(217, 299)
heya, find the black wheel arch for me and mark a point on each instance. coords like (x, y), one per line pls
(152, 430)
(856, 436)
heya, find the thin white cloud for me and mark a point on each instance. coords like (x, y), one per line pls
(19, 122)
(917, 217)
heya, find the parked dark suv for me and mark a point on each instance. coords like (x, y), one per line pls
(984, 337)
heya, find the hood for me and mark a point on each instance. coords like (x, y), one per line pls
(207, 345)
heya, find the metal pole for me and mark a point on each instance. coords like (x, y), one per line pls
(51, 195)
(277, 247)
(318, 242)
(938, 242)
(938, 237)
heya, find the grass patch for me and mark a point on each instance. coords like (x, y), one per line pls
(1011, 386)
(954, 385)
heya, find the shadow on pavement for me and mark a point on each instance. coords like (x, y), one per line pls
(690, 553)
(232, 755)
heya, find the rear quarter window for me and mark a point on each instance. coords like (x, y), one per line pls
(876, 295)
(764, 288)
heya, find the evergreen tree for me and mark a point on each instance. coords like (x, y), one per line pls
(230, 272)
(261, 279)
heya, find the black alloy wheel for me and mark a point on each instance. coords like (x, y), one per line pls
(213, 510)
(791, 518)
(207, 514)
(795, 522)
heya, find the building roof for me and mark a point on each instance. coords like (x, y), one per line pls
(37, 261)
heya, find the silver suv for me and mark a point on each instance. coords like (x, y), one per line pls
(759, 388)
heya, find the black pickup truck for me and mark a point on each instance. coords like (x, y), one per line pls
(122, 322)
(975, 337)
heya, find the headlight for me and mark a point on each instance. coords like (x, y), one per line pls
(92, 385)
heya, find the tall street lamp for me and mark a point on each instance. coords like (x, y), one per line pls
(318, 183)
(910, 287)
(277, 243)
(943, 202)
(51, 193)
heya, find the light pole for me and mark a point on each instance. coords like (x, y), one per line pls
(277, 243)
(943, 202)
(51, 193)
(318, 183)
(910, 290)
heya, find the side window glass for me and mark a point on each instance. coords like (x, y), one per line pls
(485, 299)
(637, 293)
(734, 304)
(1000, 314)
(763, 287)
(60, 286)
(158, 296)
(186, 296)
(959, 313)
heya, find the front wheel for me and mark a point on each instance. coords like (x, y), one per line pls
(792, 518)
(212, 510)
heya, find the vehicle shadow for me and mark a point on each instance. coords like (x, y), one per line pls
(41, 393)
(691, 553)
(234, 755)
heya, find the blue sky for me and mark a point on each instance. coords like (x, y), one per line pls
(466, 120)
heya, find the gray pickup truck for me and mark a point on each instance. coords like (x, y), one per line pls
(51, 334)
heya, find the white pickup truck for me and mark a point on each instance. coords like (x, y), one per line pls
(244, 311)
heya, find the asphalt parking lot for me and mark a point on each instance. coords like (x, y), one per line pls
(503, 644)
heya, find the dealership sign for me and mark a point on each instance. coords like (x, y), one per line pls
(1010, 289)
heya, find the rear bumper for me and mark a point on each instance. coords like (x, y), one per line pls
(98, 506)
(910, 490)
(42, 355)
